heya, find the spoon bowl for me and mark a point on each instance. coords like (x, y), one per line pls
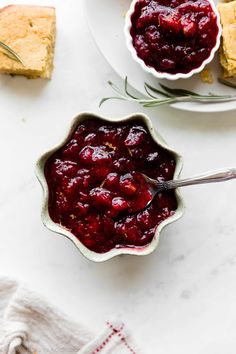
(156, 187)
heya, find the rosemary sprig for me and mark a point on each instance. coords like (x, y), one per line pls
(11, 53)
(163, 95)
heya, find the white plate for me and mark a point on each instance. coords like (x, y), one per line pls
(106, 21)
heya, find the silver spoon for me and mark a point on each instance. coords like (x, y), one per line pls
(208, 177)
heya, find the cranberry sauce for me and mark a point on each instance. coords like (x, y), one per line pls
(174, 36)
(96, 190)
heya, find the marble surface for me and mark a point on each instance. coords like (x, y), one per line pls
(180, 299)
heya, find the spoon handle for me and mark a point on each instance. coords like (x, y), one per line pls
(209, 177)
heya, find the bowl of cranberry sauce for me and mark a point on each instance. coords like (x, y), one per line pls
(94, 191)
(173, 39)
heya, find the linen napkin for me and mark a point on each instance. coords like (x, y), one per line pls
(30, 325)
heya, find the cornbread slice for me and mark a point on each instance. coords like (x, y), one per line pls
(228, 42)
(30, 32)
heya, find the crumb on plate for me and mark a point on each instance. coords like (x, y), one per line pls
(206, 76)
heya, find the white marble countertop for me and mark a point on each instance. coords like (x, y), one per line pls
(180, 299)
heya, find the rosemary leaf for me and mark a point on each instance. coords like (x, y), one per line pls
(154, 89)
(227, 83)
(178, 92)
(115, 88)
(11, 53)
(148, 92)
(109, 98)
(126, 89)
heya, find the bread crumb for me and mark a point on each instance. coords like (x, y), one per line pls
(206, 76)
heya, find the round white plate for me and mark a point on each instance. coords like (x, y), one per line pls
(106, 21)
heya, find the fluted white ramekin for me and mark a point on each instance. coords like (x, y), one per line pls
(163, 75)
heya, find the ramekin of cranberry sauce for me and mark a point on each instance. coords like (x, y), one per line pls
(173, 38)
(95, 192)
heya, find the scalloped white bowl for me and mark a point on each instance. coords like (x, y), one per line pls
(163, 75)
(51, 225)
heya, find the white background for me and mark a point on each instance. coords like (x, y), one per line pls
(180, 299)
